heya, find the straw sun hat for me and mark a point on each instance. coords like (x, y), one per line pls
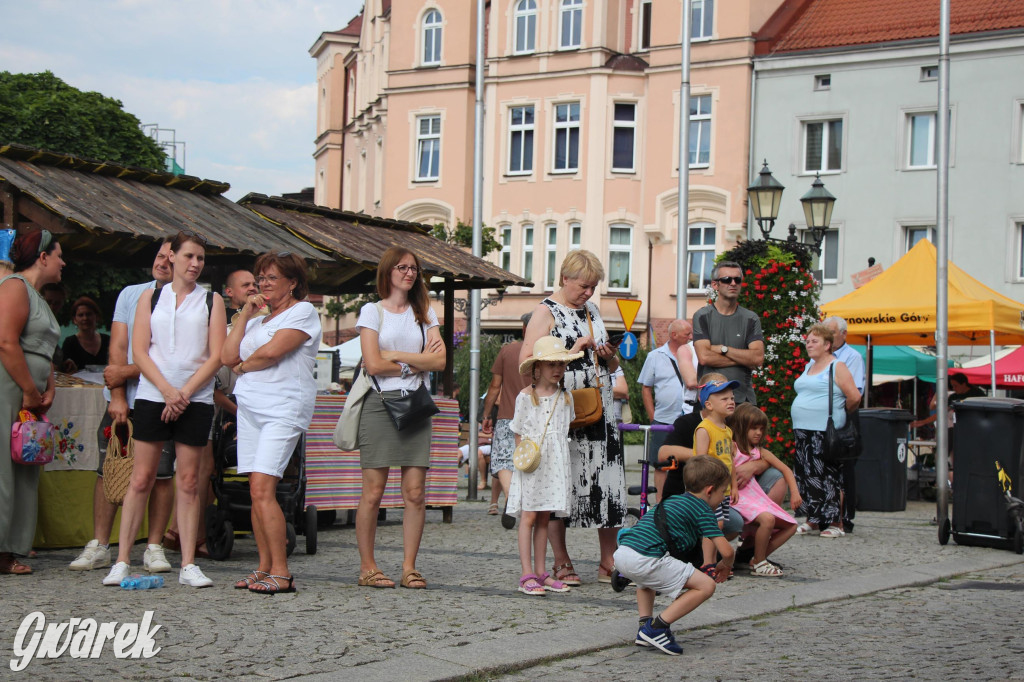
(548, 349)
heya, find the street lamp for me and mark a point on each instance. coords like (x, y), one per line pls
(818, 203)
(765, 197)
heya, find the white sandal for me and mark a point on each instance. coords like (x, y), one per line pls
(766, 569)
(832, 532)
(803, 529)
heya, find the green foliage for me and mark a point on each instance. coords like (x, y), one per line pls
(41, 110)
(490, 344)
(100, 284)
(462, 235)
(779, 287)
(631, 368)
(341, 305)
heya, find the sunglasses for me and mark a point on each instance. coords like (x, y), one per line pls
(730, 280)
(195, 237)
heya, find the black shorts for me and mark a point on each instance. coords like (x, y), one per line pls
(191, 428)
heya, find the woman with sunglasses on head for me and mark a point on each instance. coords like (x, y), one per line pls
(176, 342)
(274, 356)
(28, 337)
(401, 343)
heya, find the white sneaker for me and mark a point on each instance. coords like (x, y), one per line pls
(117, 573)
(192, 576)
(154, 560)
(93, 556)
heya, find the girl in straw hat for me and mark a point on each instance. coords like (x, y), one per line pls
(543, 412)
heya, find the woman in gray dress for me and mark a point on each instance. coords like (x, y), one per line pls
(28, 337)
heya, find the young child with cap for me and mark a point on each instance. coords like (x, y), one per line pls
(713, 437)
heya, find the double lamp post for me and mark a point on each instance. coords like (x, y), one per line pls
(765, 197)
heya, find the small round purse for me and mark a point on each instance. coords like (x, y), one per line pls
(526, 456)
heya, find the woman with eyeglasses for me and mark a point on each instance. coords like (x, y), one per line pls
(401, 343)
(274, 356)
(176, 342)
(28, 337)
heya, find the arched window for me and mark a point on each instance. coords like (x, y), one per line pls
(432, 37)
(525, 22)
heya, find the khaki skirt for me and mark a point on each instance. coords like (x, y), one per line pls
(381, 445)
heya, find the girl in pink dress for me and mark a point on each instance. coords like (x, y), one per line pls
(773, 526)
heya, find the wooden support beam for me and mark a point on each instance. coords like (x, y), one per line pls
(44, 218)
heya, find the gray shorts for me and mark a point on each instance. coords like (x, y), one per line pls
(503, 444)
(164, 470)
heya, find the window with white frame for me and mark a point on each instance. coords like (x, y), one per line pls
(700, 131)
(702, 15)
(550, 255)
(700, 252)
(915, 233)
(428, 147)
(645, 24)
(823, 146)
(921, 139)
(1020, 131)
(571, 24)
(506, 247)
(620, 257)
(528, 251)
(525, 23)
(1020, 250)
(624, 137)
(520, 140)
(567, 137)
(432, 38)
(828, 261)
(575, 235)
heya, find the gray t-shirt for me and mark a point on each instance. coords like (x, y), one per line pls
(738, 330)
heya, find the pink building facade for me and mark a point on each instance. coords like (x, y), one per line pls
(581, 134)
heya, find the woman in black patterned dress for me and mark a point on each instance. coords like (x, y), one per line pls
(597, 465)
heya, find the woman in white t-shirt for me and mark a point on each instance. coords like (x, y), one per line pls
(401, 343)
(274, 357)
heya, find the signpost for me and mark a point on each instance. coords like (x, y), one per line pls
(628, 308)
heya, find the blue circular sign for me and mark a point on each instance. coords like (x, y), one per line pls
(628, 346)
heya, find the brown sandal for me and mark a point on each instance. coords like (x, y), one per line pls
(375, 578)
(567, 574)
(171, 541)
(11, 566)
(413, 580)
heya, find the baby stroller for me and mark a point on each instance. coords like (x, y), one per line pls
(234, 503)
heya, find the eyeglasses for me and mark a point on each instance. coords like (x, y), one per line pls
(730, 280)
(263, 279)
(406, 269)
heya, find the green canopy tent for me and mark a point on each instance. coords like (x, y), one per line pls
(899, 363)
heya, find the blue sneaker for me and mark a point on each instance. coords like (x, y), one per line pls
(660, 638)
(640, 641)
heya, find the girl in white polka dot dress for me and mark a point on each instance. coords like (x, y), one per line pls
(543, 413)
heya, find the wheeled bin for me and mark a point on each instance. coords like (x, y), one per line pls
(881, 469)
(987, 430)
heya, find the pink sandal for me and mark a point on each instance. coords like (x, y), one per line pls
(529, 584)
(552, 585)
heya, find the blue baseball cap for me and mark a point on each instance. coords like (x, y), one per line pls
(714, 387)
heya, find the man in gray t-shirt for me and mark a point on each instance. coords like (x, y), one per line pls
(727, 336)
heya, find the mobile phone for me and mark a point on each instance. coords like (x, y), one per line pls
(616, 339)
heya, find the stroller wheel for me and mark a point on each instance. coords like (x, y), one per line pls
(619, 581)
(290, 534)
(311, 529)
(220, 535)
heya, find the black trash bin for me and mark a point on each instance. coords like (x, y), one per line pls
(987, 430)
(881, 469)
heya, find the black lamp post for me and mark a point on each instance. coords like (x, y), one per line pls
(765, 197)
(818, 203)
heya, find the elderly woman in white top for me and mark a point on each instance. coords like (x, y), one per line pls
(179, 330)
(274, 357)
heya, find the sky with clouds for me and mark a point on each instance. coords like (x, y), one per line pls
(233, 78)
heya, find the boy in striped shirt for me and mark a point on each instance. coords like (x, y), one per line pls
(650, 553)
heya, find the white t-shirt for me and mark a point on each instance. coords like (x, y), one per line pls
(124, 312)
(179, 343)
(285, 391)
(398, 332)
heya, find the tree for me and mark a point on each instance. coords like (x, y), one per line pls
(462, 235)
(41, 110)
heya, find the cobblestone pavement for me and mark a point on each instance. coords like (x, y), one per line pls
(968, 628)
(472, 619)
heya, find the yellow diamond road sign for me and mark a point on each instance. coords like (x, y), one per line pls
(628, 308)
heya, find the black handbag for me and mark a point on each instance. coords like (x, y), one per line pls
(410, 408)
(840, 444)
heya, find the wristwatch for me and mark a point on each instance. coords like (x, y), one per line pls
(725, 350)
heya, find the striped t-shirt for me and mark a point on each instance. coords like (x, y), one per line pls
(689, 519)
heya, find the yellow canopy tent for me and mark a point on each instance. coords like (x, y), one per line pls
(897, 308)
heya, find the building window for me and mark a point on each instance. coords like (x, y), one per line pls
(571, 21)
(567, 137)
(520, 140)
(828, 261)
(700, 131)
(929, 73)
(620, 257)
(1020, 131)
(624, 137)
(506, 248)
(701, 255)
(525, 22)
(528, 251)
(1020, 250)
(702, 15)
(645, 24)
(432, 37)
(921, 140)
(823, 82)
(916, 233)
(823, 146)
(575, 235)
(428, 147)
(551, 256)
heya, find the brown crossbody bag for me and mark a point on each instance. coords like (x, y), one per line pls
(587, 401)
